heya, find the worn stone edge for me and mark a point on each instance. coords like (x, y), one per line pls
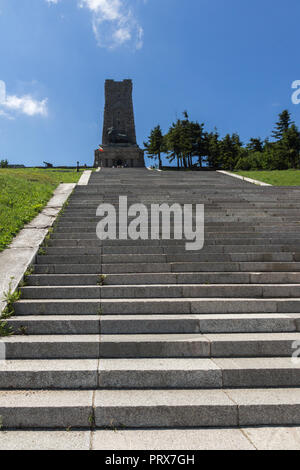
(85, 177)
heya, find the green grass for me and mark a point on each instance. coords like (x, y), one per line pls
(276, 177)
(24, 193)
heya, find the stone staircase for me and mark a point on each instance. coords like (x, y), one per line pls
(173, 339)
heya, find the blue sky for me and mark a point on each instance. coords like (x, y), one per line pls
(230, 63)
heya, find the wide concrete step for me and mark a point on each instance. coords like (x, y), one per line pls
(162, 279)
(211, 408)
(56, 409)
(233, 228)
(62, 280)
(189, 323)
(68, 268)
(217, 239)
(52, 347)
(177, 249)
(67, 259)
(56, 324)
(189, 267)
(155, 306)
(246, 438)
(198, 345)
(43, 374)
(176, 373)
(163, 291)
(142, 324)
(149, 408)
(150, 345)
(185, 291)
(198, 373)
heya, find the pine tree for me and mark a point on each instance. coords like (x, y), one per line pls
(156, 144)
(213, 149)
(282, 125)
(290, 145)
(255, 145)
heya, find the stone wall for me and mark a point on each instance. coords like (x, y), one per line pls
(131, 157)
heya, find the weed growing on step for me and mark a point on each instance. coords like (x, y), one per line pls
(42, 251)
(102, 280)
(10, 297)
(5, 330)
(23, 330)
(92, 421)
(100, 311)
(47, 238)
(28, 272)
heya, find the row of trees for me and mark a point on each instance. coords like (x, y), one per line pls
(191, 146)
(3, 163)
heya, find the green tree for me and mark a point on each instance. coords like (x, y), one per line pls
(290, 146)
(156, 144)
(3, 163)
(282, 125)
(213, 149)
(255, 145)
(173, 143)
(230, 151)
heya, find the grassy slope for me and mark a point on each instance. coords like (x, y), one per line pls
(276, 178)
(24, 193)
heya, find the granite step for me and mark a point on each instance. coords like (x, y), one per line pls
(153, 324)
(162, 279)
(151, 345)
(283, 291)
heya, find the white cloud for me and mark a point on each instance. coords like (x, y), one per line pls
(20, 104)
(114, 22)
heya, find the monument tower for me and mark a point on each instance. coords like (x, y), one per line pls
(119, 147)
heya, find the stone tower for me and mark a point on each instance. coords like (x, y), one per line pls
(119, 137)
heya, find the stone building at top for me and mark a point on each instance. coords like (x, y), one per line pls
(119, 146)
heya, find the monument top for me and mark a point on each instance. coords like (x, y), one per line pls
(118, 125)
(119, 146)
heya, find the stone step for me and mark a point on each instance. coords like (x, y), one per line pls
(43, 374)
(57, 324)
(246, 438)
(56, 409)
(116, 244)
(155, 306)
(66, 259)
(162, 279)
(78, 269)
(150, 346)
(193, 323)
(210, 408)
(148, 374)
(142, 324)
(149, 408)
(217, 235)
(198, 373)
(160, 250)
(234, 228)
(52, 347)
(283, 291)
(198, 345)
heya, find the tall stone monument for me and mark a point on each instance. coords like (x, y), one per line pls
(119, 147)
